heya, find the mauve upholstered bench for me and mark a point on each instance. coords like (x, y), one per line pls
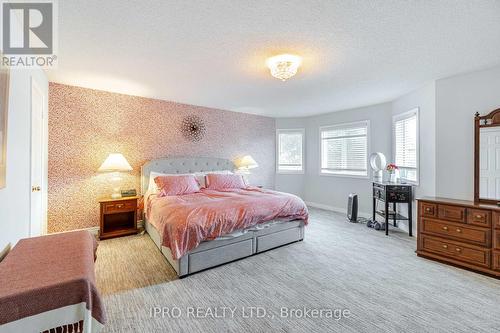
(48, 283)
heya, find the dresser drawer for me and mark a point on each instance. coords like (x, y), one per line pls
(451, 213)
(496, 220)
(479, 217)
(496, 239)
(124, 206)
(456, 250)
(496, 260)
(469, 234)
(428, 209)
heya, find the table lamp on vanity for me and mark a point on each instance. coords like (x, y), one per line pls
(115, 163)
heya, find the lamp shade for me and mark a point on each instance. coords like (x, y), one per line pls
(115, 163)
(247, 162)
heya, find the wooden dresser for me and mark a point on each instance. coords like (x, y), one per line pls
(460, 232)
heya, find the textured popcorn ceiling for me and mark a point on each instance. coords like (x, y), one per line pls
(86, 125)
(212, 53)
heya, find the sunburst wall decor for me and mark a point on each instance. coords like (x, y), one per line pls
(193, 128)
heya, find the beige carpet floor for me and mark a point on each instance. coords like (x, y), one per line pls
(378, 279)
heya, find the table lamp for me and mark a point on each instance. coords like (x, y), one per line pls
(246, 163)
(115, 163)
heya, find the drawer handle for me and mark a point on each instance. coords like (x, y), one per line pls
(428, 209)
(119, 206)
(479, 216)
(445, 228)
(458, 249)
(445, 246)
(459, 230)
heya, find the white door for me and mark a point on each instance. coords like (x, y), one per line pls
(489, 161)
(38, 165)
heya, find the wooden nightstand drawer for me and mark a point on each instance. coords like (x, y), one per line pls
(479, 217)
(122, 206)
(451, 213)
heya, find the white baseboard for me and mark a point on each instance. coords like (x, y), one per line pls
(95, 230)
(335, 209)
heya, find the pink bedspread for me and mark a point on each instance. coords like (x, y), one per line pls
(184, 221)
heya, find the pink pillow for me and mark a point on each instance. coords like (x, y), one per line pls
(177, 185)
(221, 182)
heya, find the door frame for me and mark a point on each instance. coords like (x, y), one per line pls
(36, 84)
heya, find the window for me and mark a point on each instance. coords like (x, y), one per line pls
(290, 144)
(344, 149)
(405, 144)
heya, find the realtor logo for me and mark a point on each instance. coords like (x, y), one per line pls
(34, 34)
(28, 28)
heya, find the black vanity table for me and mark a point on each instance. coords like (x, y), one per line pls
(392, 193)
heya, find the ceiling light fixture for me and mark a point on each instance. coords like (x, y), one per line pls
(284, 66)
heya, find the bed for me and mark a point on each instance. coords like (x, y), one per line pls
(238, 244)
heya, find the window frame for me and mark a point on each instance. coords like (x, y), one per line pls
(399, 117)
(368, 147)
(302, 132)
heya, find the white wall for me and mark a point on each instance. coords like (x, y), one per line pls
(15, 197)
(457, 100)
(332, 191)
(447, 107)
(424, 99)
(291, 183)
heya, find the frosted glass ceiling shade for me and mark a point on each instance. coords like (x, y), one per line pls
(284, 66)
(115, 163)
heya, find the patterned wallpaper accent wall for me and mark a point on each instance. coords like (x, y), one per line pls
(86, 125)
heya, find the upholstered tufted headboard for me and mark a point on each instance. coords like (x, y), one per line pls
(182, 165)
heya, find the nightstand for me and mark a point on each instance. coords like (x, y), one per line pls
(118, 217)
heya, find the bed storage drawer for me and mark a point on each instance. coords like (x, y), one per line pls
(219, 255)
(279, 238)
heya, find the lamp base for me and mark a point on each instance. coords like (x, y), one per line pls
(117, 194)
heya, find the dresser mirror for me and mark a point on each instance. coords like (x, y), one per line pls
(487, 158)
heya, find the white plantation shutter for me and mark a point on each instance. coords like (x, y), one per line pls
(344, 149)
(290, 151)
(405, 132)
